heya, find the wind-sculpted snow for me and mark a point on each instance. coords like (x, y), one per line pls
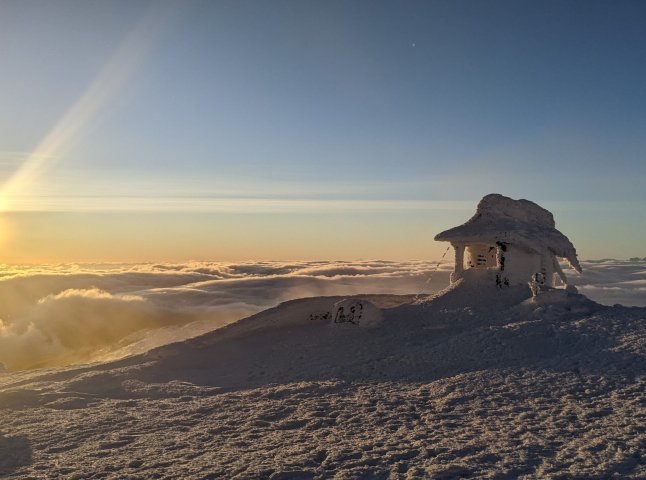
(62, 314)
(477, 382)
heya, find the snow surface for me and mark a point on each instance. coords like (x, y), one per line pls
(476, 382)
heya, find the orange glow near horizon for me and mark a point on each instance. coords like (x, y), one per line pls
(49, 237)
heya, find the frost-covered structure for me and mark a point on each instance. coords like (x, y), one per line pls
(515, 238)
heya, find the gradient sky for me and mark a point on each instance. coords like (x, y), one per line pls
(230, 130)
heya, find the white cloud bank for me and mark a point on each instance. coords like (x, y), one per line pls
(62, 314)
(613, 281)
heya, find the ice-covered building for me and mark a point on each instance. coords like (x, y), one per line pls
(515, 238)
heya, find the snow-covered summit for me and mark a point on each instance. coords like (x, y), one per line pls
(423, 391)
(303, 390)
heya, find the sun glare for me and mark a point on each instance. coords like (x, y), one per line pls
(72, 125)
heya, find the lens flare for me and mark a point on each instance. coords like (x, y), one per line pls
(71, 126)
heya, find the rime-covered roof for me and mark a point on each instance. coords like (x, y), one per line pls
(519, 222)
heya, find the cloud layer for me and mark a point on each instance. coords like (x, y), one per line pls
(611, 281)
(61, 314)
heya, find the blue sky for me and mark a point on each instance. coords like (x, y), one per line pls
(373, 106)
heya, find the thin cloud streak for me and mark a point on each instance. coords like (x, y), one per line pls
(131, 203)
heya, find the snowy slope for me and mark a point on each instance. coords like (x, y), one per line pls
(476, 382)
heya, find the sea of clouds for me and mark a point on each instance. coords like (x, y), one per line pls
(54, 315)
